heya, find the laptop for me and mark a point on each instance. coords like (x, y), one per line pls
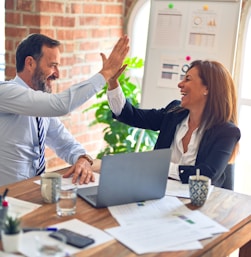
(129, 177)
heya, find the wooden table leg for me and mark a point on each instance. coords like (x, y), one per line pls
(245, 250)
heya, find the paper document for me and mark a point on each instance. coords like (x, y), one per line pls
(158, 235)
(144, 222)
(66, 183)
(28, 244)
(200, 221)
(167, 207)
(4, 254)
(127, 214)
(19, 207)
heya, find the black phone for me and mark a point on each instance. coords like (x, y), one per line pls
(72, 238)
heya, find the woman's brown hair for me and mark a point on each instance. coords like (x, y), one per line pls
(221, 105)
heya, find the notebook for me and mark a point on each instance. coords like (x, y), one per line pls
(129, 177)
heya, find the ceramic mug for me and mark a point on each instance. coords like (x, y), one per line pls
(198, 188)
(50, 184)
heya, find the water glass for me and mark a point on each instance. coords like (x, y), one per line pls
(66, 204)
(48, 247)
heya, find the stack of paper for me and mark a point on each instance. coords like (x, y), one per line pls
(161, 225)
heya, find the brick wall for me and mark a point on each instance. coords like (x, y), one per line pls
(85, 28)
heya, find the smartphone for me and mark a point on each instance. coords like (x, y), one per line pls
(72, 238)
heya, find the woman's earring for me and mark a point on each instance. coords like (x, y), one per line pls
(205, 93)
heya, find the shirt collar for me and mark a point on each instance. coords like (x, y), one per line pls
(184, 122)
(20, 82)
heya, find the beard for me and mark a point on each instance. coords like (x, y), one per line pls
(39, 81)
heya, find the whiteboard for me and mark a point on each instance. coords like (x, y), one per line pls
(183, 31)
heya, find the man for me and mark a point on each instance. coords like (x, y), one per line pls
(26, 97)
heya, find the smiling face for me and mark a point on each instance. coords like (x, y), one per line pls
(46, 69)
(194, 93)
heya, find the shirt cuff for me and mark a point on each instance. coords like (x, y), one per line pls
(116, 99)
(174, 171)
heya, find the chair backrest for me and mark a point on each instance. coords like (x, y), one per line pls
(229, 181)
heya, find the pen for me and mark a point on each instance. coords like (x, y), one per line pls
(39, 229)
(4, 202)
(5, 193)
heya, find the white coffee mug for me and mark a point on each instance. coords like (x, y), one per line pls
(50, 184)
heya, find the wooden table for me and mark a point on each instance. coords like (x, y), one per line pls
(232, 210)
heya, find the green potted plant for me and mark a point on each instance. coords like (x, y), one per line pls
(11, 234)
(118, 136)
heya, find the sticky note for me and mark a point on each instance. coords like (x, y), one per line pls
(188, 58)
(171, 5)
(205, 7)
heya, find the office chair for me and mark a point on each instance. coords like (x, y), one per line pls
(229, 181)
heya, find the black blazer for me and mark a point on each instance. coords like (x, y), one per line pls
(215, 148)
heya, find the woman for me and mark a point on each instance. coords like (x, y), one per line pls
(201, 129)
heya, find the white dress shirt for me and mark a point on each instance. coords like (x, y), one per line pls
(19, 147)
(117, 101)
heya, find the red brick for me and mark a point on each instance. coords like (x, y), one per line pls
(68, 47)
(110, 21)
(50, 7)
(81, 33)
(34, 30)
(10, 5)
(113, 9)
(10, 71)
(92, 8)
(16, 33)
(65, 34)
(99, 33)
(13, 18)
(25, 5)
(31, 20)
(90, 20)
(85, 46)
(9, 46)
(76, 8)
(63, 21)
(50, 32)
(91, 57)
(67, 60)
(45, 20)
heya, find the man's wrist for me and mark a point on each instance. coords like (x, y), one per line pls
(87, 157)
